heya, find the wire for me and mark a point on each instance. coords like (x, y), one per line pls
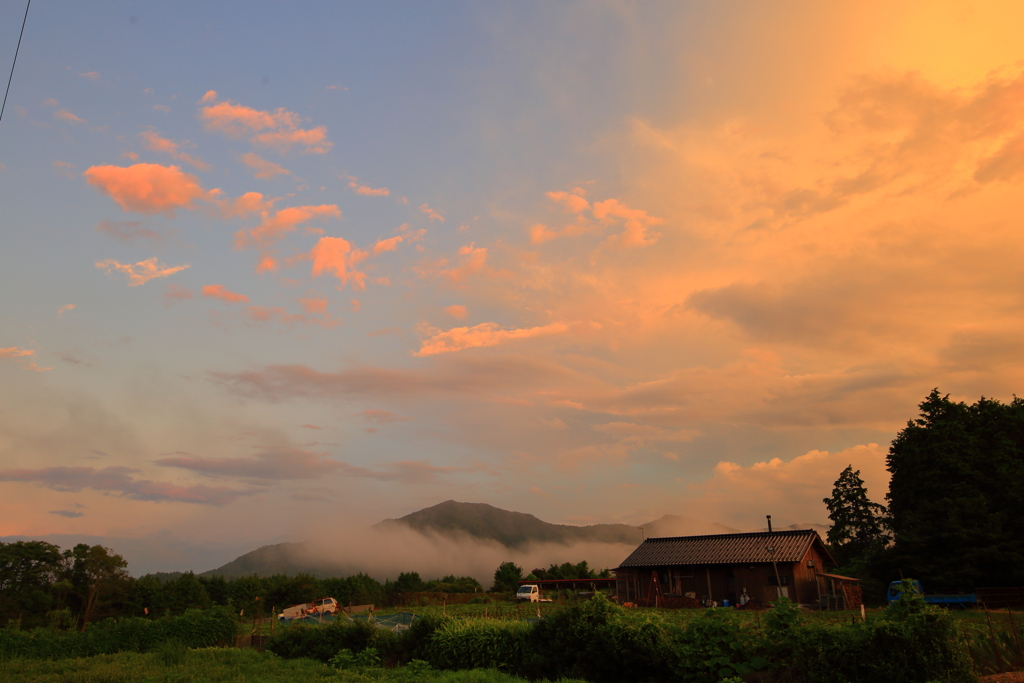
(6, 92)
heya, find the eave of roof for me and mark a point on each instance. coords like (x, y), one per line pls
(725, 549)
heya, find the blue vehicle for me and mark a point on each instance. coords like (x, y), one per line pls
(963, 601)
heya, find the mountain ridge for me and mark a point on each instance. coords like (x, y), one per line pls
(457, 521)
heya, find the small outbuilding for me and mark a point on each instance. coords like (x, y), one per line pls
(744, 569)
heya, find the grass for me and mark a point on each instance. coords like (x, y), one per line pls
(214, 665)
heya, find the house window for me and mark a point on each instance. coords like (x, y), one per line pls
(773, 582)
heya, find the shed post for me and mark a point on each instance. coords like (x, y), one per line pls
(708, 570)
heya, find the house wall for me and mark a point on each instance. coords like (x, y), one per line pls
(727, 582)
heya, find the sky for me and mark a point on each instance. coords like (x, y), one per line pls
(276, 270)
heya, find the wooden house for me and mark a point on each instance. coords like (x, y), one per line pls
(752, 568)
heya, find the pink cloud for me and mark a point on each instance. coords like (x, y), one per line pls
(278, 465)
(15, 352)
(267, 264)
(117, 480)
(273, 228)
(65, 308)
(389, 244)
(457, 312)
(265, 170)
(248, 203)
(148, 188)
(369, 191)
(484, 334)
(431, 213)
(128, 231)
(265, 314)
(91, 75)
(335, 256)
(140, 273)
(314, 141)
(278, 129)
(406, 471)
(157, 143)
(65, 115)
(218, 292)
(381, 417)
(176, 294)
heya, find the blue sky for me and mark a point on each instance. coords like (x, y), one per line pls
(268, 266)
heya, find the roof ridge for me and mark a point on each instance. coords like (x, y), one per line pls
(787, 532)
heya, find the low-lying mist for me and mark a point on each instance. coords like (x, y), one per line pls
(384, 553)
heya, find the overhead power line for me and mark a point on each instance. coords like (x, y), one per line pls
(15, 61)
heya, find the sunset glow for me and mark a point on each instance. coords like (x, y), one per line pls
(271, 268)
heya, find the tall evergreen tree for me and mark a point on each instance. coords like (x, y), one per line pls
(954, 497)
(859, 527)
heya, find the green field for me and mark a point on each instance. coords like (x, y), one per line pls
(214, 664)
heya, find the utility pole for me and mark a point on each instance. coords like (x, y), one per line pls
(771, 553)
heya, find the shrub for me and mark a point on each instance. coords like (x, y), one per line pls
(324, 642)
(714, 647)
(479, 644)
(195, 629)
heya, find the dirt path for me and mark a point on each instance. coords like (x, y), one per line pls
(1011, 677)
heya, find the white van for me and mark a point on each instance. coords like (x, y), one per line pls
(319, 607)
(528, 593)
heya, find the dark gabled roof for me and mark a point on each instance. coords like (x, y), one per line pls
(752, 548)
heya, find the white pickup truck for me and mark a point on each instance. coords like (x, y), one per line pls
(528, 593)
(319, 607)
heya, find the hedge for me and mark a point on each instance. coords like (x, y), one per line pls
(194, 629)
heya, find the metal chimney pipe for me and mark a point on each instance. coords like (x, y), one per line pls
(769, 523)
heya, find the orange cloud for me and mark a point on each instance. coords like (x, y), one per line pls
(474, 259)
(389, 244)
(335, 256)
(539, 234)
(369, 191)
(26, 354)
(65, 115)
(484, 334)
(148, 188)
(431, 213)
(636, 222)
(91, 75)
(218, 292)
(313, 305)
(160, 144)
(65, 308)
(273, 228)
(248, 203)
(315, 141)
(279, 129)
(267, 314)
(265, 170)
(572, 202)
(141, 272)
(457, 312)
(267, 264)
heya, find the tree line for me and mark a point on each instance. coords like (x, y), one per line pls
(42, 585)
(954, 512)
